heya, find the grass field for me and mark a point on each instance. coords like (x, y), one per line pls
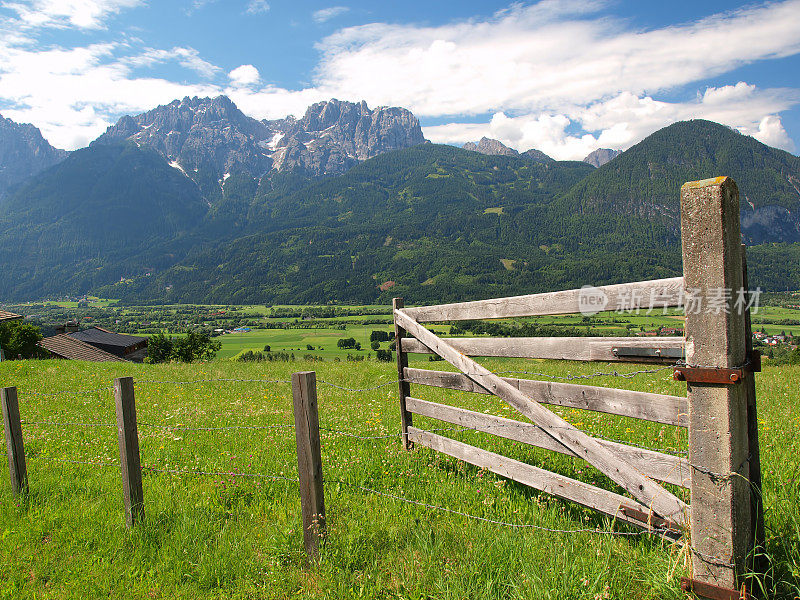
(222, 536)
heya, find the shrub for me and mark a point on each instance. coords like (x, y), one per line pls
(20, 339)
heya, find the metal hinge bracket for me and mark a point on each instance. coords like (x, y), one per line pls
(719, 376)
(713, 592)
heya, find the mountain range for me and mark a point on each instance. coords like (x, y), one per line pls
(194, 201)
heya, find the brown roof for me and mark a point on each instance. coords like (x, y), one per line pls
(9, 316)
(65, 346)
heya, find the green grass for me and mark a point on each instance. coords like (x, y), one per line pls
(240, 537)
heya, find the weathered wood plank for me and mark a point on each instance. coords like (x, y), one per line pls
(663, 467)
(14, 443)
(535, 477)
(660, 408)
(128, 435)
(756, 494)
(309, 460)
(646, 491)
(558, 348)
(658, 293)
(403, 387)
(718, 436)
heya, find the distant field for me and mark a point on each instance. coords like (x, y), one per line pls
(234, 536)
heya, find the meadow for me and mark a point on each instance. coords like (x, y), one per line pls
(226, 535)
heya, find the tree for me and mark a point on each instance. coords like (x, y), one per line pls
(20, 339)
(375, 345)
(193, 346)
(348, 343)
(267, 348)
(159, 348)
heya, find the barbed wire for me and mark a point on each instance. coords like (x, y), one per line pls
(71, 392)
(68, 424)
(221, 428)
(220, 474)
(74, 462)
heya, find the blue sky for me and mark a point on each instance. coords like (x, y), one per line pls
(563, 76)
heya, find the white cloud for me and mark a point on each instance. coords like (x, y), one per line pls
(244, 75)
(84, 14)
(255, 7)
(557, 75)
(536, 58)
(626, 119)
(326, 14)
(188, 58)
(771, 132)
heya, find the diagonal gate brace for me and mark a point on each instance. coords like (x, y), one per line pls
(649, 493)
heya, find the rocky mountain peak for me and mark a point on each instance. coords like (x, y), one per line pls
(490, 147)
(23, 152)
(335, 135)
(601, 156)
(209, 138)
(537, 156)
(205, 136)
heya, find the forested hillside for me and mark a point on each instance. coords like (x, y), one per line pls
(644, 179)
(431, 223)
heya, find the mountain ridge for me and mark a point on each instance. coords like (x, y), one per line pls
(24, 152)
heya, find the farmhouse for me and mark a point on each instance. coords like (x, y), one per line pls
(9, 316)
(96, 344)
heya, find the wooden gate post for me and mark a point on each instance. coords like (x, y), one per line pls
(757, 505)
(16, 448)
(721, 529)
(309, 459)
(128, 435)
(406, 420)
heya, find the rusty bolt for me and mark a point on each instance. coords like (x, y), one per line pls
(734, 377)
(678, 376)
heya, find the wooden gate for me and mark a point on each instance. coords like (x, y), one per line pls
(715, 358)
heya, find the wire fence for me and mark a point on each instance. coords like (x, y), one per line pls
(361, 436)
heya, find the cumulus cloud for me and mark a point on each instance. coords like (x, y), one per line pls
(625, 119)
(326, 14)
(244, 75)
(83, 14)
(558, 75)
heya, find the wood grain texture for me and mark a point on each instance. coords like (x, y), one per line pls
(406, 418)
(658, 293)
(14, 443)
(663, 467)
(309, 460)
(718, 434)
(646, 491)
(660, 408)
(128, 436)
(535, 477)
(756, 496)
(558, 348)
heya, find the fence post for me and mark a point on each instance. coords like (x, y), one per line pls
(128, 435)
(406, 419)
(309, 459)
(721, 529)
(16, 448)
(757, 507)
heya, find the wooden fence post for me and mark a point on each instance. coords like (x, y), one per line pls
(406, 420)
(16, 448)
(309, 459)
(128, 435)
(757, 506)
(721, 528)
